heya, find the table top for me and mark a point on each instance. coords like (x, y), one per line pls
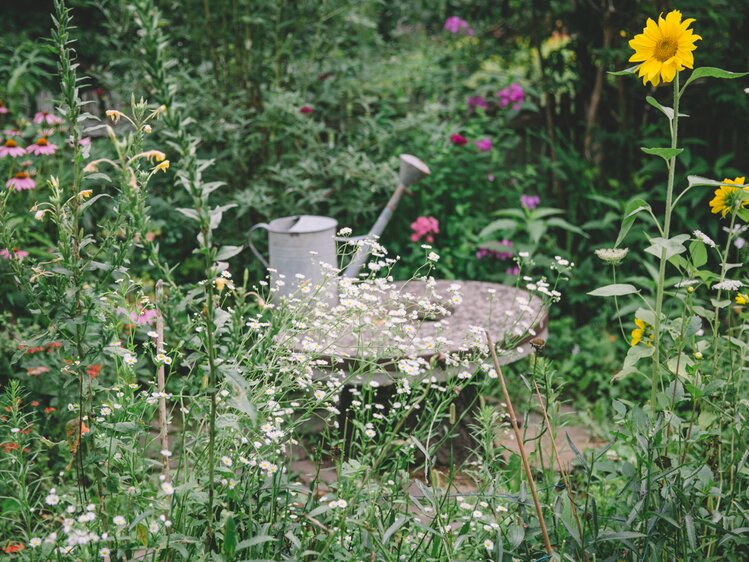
(418, 321)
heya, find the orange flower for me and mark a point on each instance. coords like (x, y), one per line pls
(12, 548)
(49, 410)
(94, 370)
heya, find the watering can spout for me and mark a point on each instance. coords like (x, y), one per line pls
(412, 170)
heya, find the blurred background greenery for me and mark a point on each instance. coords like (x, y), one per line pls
(385, 77)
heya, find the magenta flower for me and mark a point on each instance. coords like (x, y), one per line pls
(484, 145)
(145, 316)
(513, 271)
(529, 202)
(496, 254)
(455, 25)
(20, 182)
(425, 227)
(11, 148)
(48, 118)
(306, 109)
(3, 109)
(11, 132)
(17, 254)
(477, 101)
(511, 95)
(458, 140)
(42, 147)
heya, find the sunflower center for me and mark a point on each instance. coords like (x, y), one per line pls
(665, 49)
(10, 143)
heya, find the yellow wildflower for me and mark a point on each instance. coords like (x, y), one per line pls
(641, 333)
(114, 115)
(163, 166)
(664, 48)
(742, 298)
(728, 197)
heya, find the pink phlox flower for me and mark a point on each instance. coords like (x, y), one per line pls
(42, 147)
(425, 227)
(21, 182)
(11, 148)
(511, 95)
(17, 254)
(529, 202)
(48, 118)
(455, 25)
(484, 145)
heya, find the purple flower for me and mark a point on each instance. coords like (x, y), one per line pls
(511, 95)
(496, 254)
(490, 177)
(477, 101)
(484, 145)
(529, 202)
(455, 25)
(513, 271)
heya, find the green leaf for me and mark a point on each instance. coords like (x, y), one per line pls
(393, 529)
(260, 539)
(615, 290)
(227, 252)
(631, 210)
(536, 230)
(665, 153)
(673, 246)
(667, 111)
(561, 223)
(499, 224)
(625, 72)
(699, 180)
(93, 200)
(712, 72)
(230, 537)
(141, 531)
(698, 252)
(189, 213)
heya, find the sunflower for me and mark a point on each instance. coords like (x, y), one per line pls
(728, 197)
(641, 332)
(664, 48)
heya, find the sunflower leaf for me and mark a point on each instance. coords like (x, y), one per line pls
(699, 180)
(665, 153)
(712, 72)
(615, 290)
(667, 111)
(625, 72)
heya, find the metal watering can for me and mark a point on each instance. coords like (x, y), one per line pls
(303, 249)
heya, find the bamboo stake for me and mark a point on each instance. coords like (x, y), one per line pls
(521, 446)
(160, 381)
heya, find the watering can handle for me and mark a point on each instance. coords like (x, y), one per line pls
(258, 255)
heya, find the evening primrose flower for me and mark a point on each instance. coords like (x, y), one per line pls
(728, 197)
(742, 298)
(664, 48)
(114, 115)
(643, 333)
(162, 166)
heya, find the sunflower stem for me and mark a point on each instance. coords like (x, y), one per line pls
(660, 289)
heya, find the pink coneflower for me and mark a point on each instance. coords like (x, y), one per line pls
(11, 148)
(458, 139)
(20, 182)
(11, 132)
(42, 147)
(3, 109)
(425, 227)
(16, 255)
(484, 145)
(306, 109)
(48, 118)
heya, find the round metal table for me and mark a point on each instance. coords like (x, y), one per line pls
(512, 316)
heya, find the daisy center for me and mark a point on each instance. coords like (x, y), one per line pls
(665, 49)
(10, 143)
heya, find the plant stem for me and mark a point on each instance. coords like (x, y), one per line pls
(656, 381)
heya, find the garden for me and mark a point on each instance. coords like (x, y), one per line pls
(374, 281)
